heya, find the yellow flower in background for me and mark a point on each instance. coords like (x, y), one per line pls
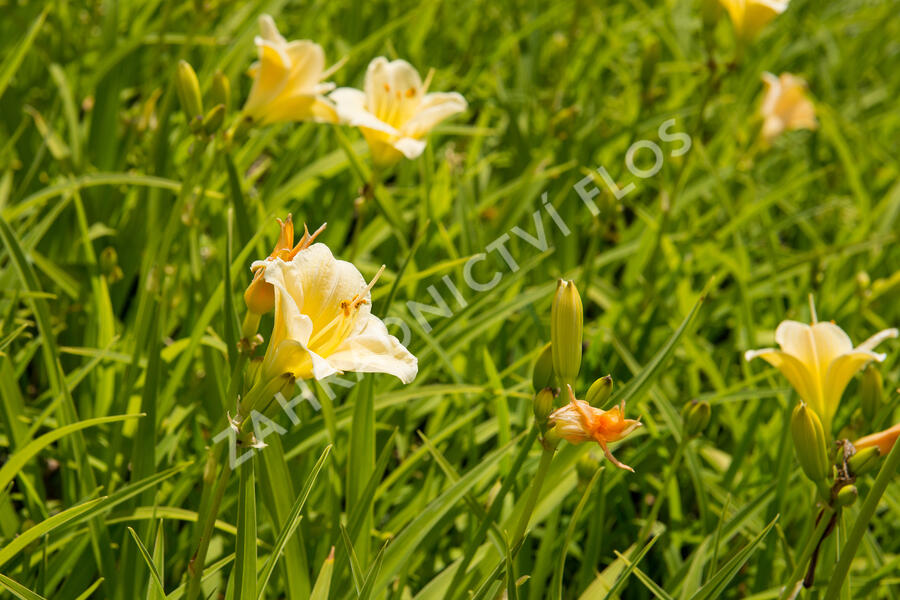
(749, 17)
(579, 422)
(819, 360)
(288, 80)
(260, 295)
(394, 111)
(323, 321)
(786, 106)
(883, 440)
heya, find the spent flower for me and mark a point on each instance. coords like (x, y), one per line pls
(786, 106)
(579, 422)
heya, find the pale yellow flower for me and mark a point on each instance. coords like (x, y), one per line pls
(323, 321)
(288, 80)
(394, 111)
(786, 106)
(819, 360)
(578, 422)
(749, 17)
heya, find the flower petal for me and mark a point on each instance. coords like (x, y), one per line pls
(409, 147)
(307, 61)
(351, 109)
(839, 374)
(294, 358)
(876, 339)
(434, 109)
(373, 350)
(268, 30)
(270, 75)
(393, 90)
(796, 373)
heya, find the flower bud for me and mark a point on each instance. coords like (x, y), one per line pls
(566, 327)
(710, 11)
(846, 495)
(543, 406)
(220, 93)
(260, 295)
(870, 392)
(214, 119)
(109, 265)
(649, 60)
(599, 392)
(809, 443)
(864, 460)
(542, 373)
(696, 417)
(189, 91)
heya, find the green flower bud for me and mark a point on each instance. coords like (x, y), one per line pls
(871, 392)
(710, 10)
(214, 119)
(846, 495)
(599, 392)
(220, 93)
(566, 329)
(648, 63)
(542, 373)
(543, 406)
(809, 443)
(696, 417)
(189, 91)
(109, 264)
(864, 460)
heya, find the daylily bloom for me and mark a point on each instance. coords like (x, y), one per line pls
(260, 295)
(288, 80)
(786, 106)
(394, 111)
(579, 422)
(323, 320)
(749, 17)
(819, 360)
(883, 440)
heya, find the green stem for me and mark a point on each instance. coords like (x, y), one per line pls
(195, 568)
(866, 513)
(796, 578)
(536, 485)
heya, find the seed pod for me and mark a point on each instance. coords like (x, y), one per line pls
(846, 495)
(189, 91)
(566, 329)
(542, 373)
(871, 392)
(599, 392)
(809, 443)
(864, 460)
(696, 418)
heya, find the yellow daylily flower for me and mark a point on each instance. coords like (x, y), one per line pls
(323, 321)
(579, 422)
(394, 111)
(288, 80)
(786, 106)
(883, 440)
(749, 17)
(819, 360)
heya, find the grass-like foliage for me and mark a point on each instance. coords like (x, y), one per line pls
(616, 144)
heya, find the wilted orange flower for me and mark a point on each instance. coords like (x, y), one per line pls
(260, 296)
(579, 422)
(883, 440)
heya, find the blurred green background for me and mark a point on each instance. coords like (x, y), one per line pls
(120, 300)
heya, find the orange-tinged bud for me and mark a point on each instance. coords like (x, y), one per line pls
(579, 422)
(260, 296)
(883, 440)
